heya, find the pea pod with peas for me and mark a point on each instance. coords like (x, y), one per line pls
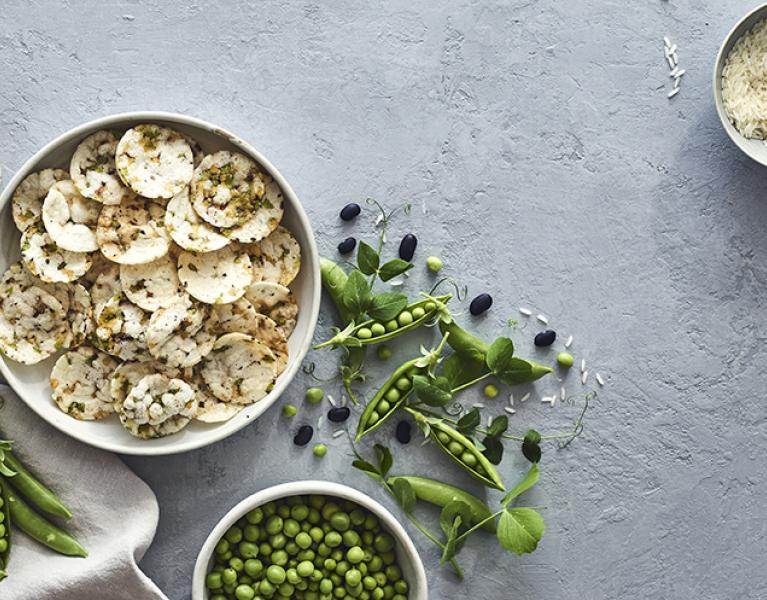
(5, 530)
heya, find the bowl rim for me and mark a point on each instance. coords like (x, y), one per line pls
(737, 138)
(313, 306)
(304, 487)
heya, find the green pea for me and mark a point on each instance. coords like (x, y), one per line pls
(565, 359)
(329, 510)
(237, 564)
(278, 541)
(353, 577)
(342, 567)
(213, 581)
(229, 576)
(383, 352)
(264, 549)
(398, 597)
(255, 516)
(351, 538)
(455, 448)
(251, 533)
(393, 395)
(369, 583)
(326, 586)
(364, 333)
(443, 438)
(377, 594)
(490, 391)
(383, 543)
(320, 450)
(274, 525)
(405, 318)
(393, 573)
(418, 312)
(377, 329)
(401, 586)
(403, 384)
(429, 306)
(289, 411)
(303, 540)
(305, 568)
(275, 574)
(469, 459)
(357, 516)
(373, 418)
(222, 547)
(383, 407)
(292, 576)
(248, 550)
(371, 522)
(233, 535)
(253, 567)
(434, 264)
(355, 554)
(280, 558)
(291, 528)
(375, 563)
(266, 588)
(244, 592)
(392, 326)
(314, 395)
(299, 512)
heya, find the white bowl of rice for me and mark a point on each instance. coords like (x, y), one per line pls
(740, 84)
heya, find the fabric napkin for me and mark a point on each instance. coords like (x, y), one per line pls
(115, 517)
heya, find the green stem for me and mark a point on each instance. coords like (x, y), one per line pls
(478, 525)
(470, 383)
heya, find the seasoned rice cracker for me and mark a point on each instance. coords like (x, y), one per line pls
(239, 369)
(180, 334)
(151, 285)
(45, 259)
(70, 218)
(121, 328)
(126, 376)
(215, 277)
(157, 406)
(107, 284)
(278, 256)
(276, 302)
(264, 217)
(33, 323)
(187, 229)
(94, 172)
(79, 383)
(80, 314)
(134, 232)
(154, 161)
(211, 409)
(227, 188)
(27, 202)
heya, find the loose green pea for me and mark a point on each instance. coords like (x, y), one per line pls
(355, 555)
(253, 567)
(434, 264)
(236, 563)
(333, 540)
(418, 312)
(314, 395)
(255, 516)
(274, 525)
(340, 521)
(266, 588)
(303, 540)
(244, 592)
(223, 546)
(383, 353)
(377, 329)
(383, 543)
(353, 577)
(305, 568)
(275, 574)
(213, 581)
(229, 576)
(405, 318)
(364, 333)
(565, 359)
(320, 450)
(291, 528)
(490, 391)
(248, 550)
(289, 411)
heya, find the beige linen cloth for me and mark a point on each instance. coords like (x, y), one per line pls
(115, 517)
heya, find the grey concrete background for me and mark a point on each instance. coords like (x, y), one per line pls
(555, 174)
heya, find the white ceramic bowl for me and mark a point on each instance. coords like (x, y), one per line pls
(756, 149)
(407, 556)
(31, 382)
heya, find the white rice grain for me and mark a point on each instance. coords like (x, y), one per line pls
(525, 311)
(562, 393)
(569, 342)
(599, 379)
(666, 42)
(320, 421)
(525, 398)
(478, 405)
(584, 377)
(543, 319)
(332, 400)
(339, 433)
(511, 399)
(673, 92)
(583, 365)
(510, 410)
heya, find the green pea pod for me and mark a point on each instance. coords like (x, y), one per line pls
(333, 281)
(34, 491)
(5, 530)
(429, 306)
(371, 418)
(38, 528)
(441, 494)
(461, 449)
(463, 342)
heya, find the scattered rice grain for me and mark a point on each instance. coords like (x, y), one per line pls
(569, 342)
(599, 379)
(478, 405)
(332, 400)
(584, 377)
(562, 393)
(525, 311)
(673, 92)
(511, 399)
(583, 365)
(339, 433)
(525, 398)
(542, 319)
(510, 410)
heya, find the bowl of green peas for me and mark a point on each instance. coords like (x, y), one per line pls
(309, 540)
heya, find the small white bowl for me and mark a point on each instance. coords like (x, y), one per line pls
(32, 382)
(407, 556)
(756, 149)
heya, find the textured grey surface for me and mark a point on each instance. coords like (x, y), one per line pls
(555, 173)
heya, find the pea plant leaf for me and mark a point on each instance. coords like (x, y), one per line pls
(451, 541)
(469, 422)
(533, 474)
(499, 355)
(460, 370)
(386, 306)
(493, 450)
(531, 446)
(367, 259)
(451, 510)
(432, 391)
(498, 426)
(404, 494)
(520, 529)
(385, 460)
(518, 371)
(368, 469)
(392, 268)
(356, 295)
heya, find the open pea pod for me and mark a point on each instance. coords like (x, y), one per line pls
(376, 332)
(461, 449)
(388, 399)
(5, 530)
